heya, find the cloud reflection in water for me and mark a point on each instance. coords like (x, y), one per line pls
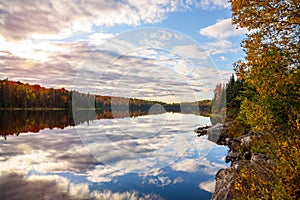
(54, 164)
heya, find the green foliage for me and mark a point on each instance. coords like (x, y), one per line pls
(271, 66)
(270, 101)
(227, 100)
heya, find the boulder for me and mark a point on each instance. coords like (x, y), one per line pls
(223, 185)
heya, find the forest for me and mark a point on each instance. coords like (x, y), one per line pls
(31, 108)
(20, 96)
(263, 98)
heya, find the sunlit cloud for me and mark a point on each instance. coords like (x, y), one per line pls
(57, 187)
(42, 154)
(208, 186)
(222, 58)
(220, 37)
(225, 74)
(99, 38)
(59, 19)
(222, 29)
(160, 181)
(178, 180)
(193, 165)
(138, 145)
(212, 4)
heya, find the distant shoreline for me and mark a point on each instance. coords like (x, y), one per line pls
(33, 109)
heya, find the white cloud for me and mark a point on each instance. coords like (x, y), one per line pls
(33, 51)
(187, 165)
(212, 4)
(224, 74)
(190, 51)
(193, 165)
(208, 186)
(221, 29)
(58, 187)
(99, 38)
(59, 19)
(220, 46)
(222, 58)
(178, 180)
(160, 181)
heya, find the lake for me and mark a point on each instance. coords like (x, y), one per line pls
(48, 155)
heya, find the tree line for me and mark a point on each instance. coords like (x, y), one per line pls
(17, 95)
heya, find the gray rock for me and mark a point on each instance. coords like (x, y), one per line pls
(223, 185)
(246, 140)
(227, 140)
(228, 123)
(214, 132)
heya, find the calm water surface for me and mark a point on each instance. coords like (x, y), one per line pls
(142, 157)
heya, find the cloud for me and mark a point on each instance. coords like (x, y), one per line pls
(222, 58)
(160, 181)
(143, 145)
(149, 72)
(51, 64)
(220, 46)
(42, 154)
(208, 186)
(190, 51)
(58, 187)
(221, 29)
(60, 19)
(212, 4)
(192, 165)
(43, 19)
(225, 74)
(178, 180)
(187, 165)
(99, 38)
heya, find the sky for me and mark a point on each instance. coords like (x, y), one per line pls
(169, 50)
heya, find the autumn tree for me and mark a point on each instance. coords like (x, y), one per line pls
(271, 102)
(271, 64)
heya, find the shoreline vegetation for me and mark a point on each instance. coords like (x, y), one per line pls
(262, 125)
(25, 108)
(21, 96)
(33, 109)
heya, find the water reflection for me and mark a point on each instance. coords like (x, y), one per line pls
(22, 121)
(58, 164)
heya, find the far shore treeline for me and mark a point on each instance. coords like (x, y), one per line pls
(21, 96)
(31, 108)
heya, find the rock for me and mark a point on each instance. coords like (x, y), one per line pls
(238, 148)
(228, 124)
(238, 140)
(247, 155)
(245, 140)
(235, 156)
(228, 159)
(214, 132)
(227, 140)
(199, 129)
(223, 185)
(258, 157)
(237, 165)
(201, 132)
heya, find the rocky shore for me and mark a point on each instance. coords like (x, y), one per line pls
(239, 154)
